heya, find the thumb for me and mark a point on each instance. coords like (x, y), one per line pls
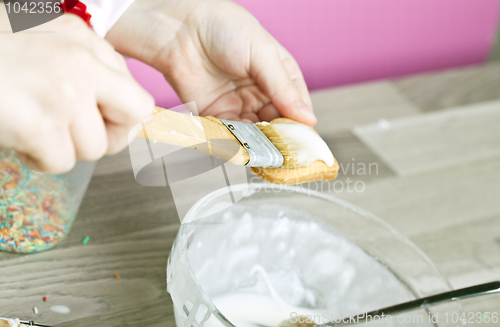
(273, 78)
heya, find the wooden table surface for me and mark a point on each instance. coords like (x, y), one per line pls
(434, 137)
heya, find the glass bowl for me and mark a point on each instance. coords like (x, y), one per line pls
(284, 253)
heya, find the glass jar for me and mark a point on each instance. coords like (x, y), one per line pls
(37, 209)
(285, 250)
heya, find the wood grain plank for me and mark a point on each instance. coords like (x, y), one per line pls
(436, 140)
(82, 278)
(117, 205)
(469, 248)
(117, 163)
(357, 161)
(433, 200)
(452, 88)
(342, 108)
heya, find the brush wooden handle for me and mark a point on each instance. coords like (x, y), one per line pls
(206, 134)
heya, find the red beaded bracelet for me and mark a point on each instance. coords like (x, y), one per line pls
(78, 8)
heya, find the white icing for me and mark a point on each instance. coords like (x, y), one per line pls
(246, 309)
(60, 309)
(384, 124)
(250, 310)
(307, 145)
(261, 264)
(14, 322)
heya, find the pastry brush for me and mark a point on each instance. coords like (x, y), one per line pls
(253, 145)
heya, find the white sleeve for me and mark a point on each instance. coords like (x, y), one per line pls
(105, 13)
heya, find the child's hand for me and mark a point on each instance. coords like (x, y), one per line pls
(215, 53)
(65, 94)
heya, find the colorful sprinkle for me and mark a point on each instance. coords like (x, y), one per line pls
(44, 299)
(117, 276)
(86, 240)
(35, 310)
(35, 210)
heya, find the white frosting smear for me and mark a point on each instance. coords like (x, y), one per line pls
(13, 322)
(307, 145)
(251, 310)
(246, 309)
(60, 309)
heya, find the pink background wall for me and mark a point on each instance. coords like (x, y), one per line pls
(347, 41)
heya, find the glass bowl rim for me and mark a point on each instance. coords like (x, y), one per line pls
(255, 187)
(327, 197)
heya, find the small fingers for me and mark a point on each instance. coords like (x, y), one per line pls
(117, 137)
(229, 115)
(295, 73)
(89, 133)
(268, 112)
(249, 116)
(51, 152)
(123, 103)
(270, 73)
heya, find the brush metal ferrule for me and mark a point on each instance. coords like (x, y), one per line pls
(262, 152)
